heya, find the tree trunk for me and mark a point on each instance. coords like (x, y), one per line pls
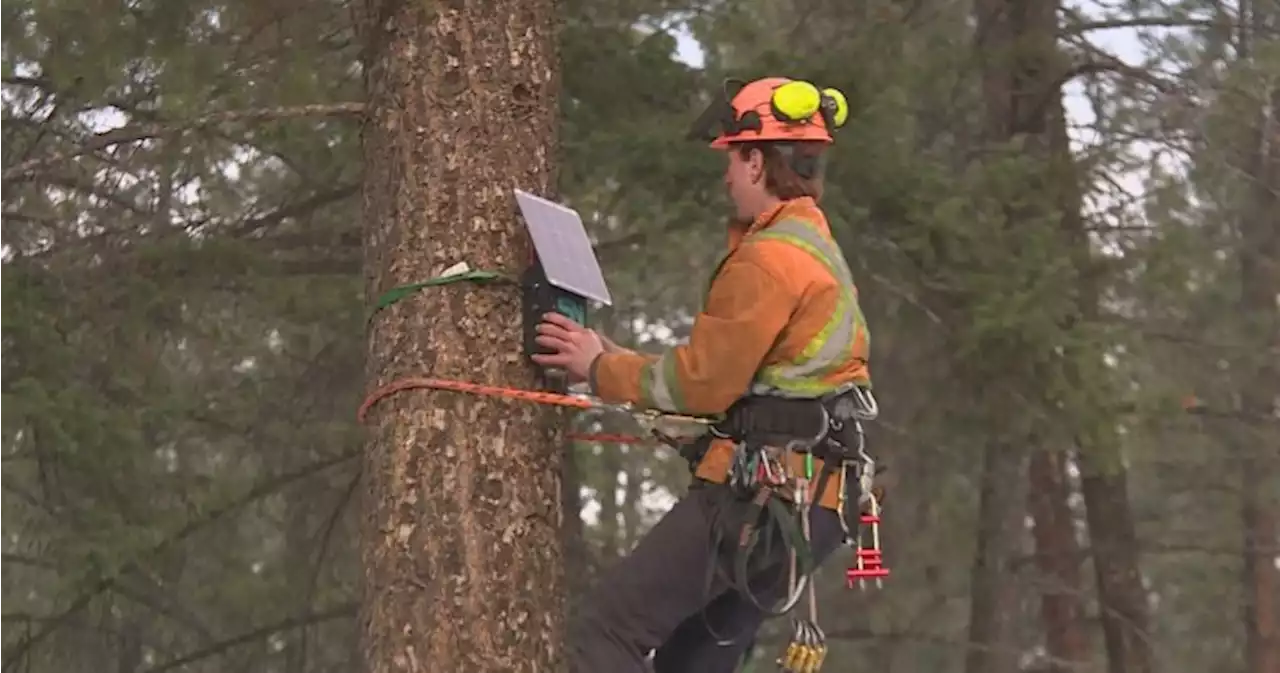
(1260, 286)
(1057, 561)
(461, 542)
(1122, 599)
(1261, 577)
(992, 611)
(1104, 482)
(1104, 479)
(1015, 42)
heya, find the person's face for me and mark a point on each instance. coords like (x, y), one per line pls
(744, 179)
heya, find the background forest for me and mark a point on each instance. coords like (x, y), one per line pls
(1064, 221)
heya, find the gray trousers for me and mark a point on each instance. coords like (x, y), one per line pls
(654, 599)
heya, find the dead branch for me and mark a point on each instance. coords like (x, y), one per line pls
(340, 611)
(138, 132)
(15, 654)
(1076, 27)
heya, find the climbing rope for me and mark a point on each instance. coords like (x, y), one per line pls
(649, 419)
(460, 273)
(752, 471)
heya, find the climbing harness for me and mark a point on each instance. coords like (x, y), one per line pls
(808, 648)
(777, 502)
(765, 432)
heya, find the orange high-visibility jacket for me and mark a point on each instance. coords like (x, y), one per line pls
(781, 318)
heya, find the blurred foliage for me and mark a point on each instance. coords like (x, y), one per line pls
(183, 315)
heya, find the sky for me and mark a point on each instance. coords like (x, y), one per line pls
(1122, 43)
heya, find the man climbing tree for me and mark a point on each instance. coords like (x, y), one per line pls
(781, 349)
(461, 547)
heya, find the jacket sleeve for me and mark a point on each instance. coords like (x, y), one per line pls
(748, 306)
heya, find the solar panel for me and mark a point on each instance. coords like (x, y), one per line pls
(562, 245)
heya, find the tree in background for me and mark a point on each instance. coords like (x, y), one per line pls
(184, 318)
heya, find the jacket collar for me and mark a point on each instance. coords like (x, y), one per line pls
(804, 206)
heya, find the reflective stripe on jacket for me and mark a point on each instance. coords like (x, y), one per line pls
(781, 318)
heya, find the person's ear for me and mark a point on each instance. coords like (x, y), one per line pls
(755, 163)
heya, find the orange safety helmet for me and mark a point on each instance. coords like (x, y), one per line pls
(771, 109)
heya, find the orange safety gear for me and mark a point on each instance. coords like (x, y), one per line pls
(781, 319)
(771, 109)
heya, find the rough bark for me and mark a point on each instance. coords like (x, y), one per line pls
(1057, 561)
(461, 541)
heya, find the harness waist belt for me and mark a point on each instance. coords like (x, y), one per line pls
(819, 425)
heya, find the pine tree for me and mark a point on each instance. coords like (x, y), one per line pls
(461, 544)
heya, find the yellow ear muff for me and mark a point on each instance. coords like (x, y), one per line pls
(795, 101)
(836, 106)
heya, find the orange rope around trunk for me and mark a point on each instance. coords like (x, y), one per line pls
(535, 397)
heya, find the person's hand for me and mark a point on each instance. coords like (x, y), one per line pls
(575, 346)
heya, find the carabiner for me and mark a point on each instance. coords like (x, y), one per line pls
(806, 651)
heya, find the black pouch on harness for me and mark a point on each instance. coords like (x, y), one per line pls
(775, 421)
(764, 421)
